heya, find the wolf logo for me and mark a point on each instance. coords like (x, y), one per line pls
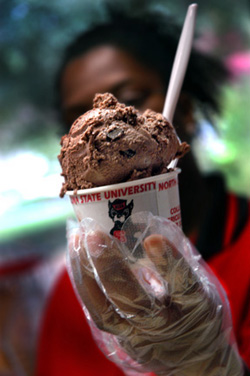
(119, 211)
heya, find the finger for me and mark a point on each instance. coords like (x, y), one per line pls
(187, 296)
(90, 294)
(117, 278)
(171, 265)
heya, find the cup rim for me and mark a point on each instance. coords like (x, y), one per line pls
(110, 187)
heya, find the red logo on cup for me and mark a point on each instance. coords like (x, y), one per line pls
(120, 235)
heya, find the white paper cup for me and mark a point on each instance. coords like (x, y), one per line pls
(112, 204)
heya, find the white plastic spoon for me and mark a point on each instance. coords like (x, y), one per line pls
(180, 67)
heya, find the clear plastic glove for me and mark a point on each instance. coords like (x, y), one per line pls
(152, 303)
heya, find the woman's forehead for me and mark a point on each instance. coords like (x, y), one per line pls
(103, 59)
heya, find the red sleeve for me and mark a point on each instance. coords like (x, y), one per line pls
(232, 267)
(66, 346)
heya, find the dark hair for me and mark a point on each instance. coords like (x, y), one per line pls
(152, 37)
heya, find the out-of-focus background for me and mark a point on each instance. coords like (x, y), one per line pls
(33, 34)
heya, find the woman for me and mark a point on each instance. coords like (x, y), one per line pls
(131, 57)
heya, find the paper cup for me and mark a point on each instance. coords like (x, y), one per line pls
(111, 205)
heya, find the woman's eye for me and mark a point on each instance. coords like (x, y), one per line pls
(136, 101)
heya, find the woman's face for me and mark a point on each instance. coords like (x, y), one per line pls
(108, 69)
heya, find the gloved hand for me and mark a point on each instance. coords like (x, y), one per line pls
(152, 303)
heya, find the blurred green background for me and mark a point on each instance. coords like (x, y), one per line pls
(33, 34)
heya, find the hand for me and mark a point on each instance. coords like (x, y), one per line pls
(163, 309)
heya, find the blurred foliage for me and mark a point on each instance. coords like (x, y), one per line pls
(33, 34)
(234, 128)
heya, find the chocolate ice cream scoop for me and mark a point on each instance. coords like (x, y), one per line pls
(114, 143)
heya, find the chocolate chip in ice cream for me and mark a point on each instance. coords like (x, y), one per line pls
(114, 133)
(128, 153)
